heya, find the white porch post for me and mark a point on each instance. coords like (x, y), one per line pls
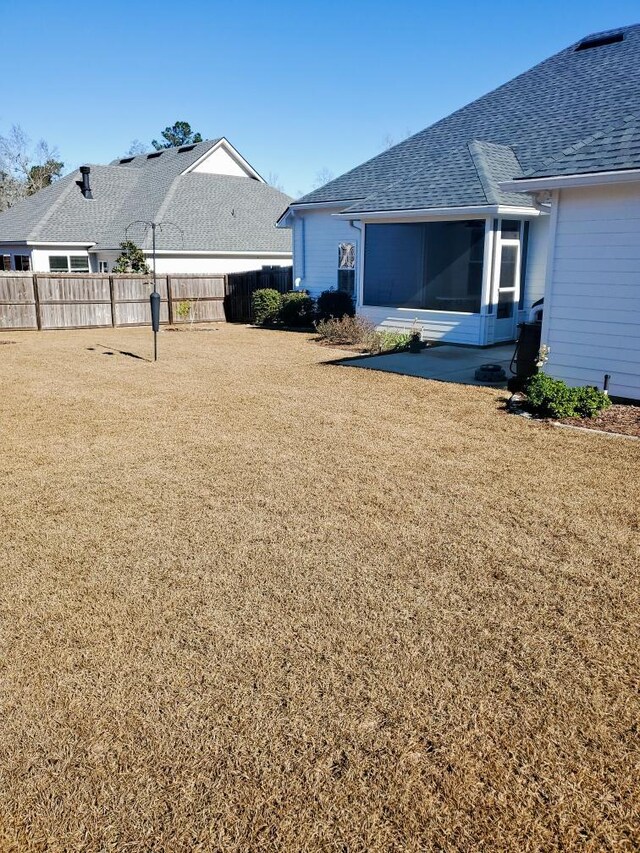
(359, 294)
(486, 318)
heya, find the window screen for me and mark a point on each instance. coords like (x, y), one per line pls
(510, 229)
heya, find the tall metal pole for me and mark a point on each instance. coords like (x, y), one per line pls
(155, 297)
(155, 286)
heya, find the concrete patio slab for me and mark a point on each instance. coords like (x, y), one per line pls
(447, 363)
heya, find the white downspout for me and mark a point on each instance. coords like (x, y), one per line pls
(299, 258)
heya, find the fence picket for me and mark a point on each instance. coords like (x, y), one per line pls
(92, 300)
(241, 285)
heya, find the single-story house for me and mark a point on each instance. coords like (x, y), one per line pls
(591, 319)
(217, 215)
(461, 228)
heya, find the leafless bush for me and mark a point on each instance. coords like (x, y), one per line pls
(358, 331)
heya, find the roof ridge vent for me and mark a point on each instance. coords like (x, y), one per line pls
(599, 41)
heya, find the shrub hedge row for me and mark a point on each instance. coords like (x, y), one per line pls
(297, 308)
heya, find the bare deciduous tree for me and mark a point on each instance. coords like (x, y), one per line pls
(25, 169)
(273, 179)
(323, 176)
(388, 141)
(136, 148)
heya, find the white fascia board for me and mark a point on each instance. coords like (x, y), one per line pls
(214, 253)
(236, 155)
(478, 212)
(527, 185)
(285, 220)
(40, 244)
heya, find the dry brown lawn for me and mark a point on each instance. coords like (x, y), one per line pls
(250, 601)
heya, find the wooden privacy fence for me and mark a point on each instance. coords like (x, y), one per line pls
(241, 285)
(68, 301)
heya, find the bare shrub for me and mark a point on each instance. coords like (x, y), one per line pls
(358, 331)
(348, 331)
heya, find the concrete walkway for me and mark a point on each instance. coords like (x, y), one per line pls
(447, 363)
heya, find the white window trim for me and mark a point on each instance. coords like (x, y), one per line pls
(353, 254)
(68, 260)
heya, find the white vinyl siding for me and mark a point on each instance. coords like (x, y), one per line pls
(316, 237)
(435, 325)
(592, 310)
(537, 248)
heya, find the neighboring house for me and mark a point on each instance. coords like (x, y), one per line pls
(219, 215)
(437, 230)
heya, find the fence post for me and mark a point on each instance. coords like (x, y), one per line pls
(169, 300)
(36, 299)
(112, 300)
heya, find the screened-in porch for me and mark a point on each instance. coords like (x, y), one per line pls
(459, 281)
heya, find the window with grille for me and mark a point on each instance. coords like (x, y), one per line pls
(79, 263)
(347, 267)
(68, 263)
(58, 263)
(22, 263)
(6, 263)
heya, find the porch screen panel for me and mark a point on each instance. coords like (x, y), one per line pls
(394, 265)
(435, 266)
(453, 276)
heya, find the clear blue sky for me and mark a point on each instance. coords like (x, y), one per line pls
(295, 86)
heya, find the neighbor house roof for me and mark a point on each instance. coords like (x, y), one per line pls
(460, 160)
(212, 212)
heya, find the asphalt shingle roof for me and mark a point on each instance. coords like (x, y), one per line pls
(459, 160)
(213, 212)
(614, 149)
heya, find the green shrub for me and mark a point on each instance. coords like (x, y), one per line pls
(335, 303)
(297, 308)
(591, 401)
(265, 305)
(553, 398)
(394, 340)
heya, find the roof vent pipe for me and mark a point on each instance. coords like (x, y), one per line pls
(85, 188)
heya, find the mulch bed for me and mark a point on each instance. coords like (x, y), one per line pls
(621, 419)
